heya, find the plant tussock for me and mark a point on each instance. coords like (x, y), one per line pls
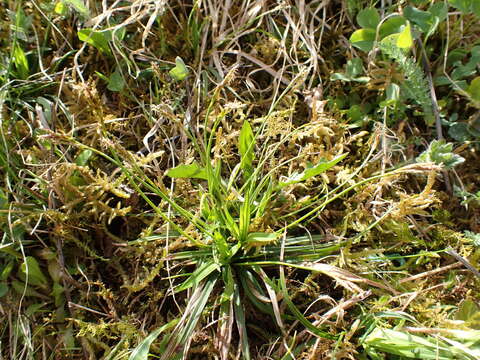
(255, 180)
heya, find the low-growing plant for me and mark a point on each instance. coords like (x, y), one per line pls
(229, 250)
(102, 247)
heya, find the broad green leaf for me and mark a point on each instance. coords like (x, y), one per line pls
(440, 10)
(20, 61)
(60, 8)
(9, 249)
(79, 6)
(392, 95)
(354, 67)
(441, 153)
(463, 71)
(76, 180)
(441, 80)
(3, 289)
(57, 293)
(116, 82)
(459, 132)
(476, 8)
(32, 272)
(198, 275)
(427, 21)
(393, 92)
(34, 308)
(4, 274)
(423, 19)
(246, 143)
(392, 26)
(467, 311)
(405, 40)
(21, 289)
(475, 55)
(312, 171)
(83, 157)
(474, 89)
(465, 6)
(187, 171)
(368, 18)
(390, 40)
(180, 71)
(98, 39)
(363, 39)
(355, 114)
(142, 350)
(340, 76)
(433, 27)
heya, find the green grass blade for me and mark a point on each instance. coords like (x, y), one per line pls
(198, 275)
(298, 315)
(246, 144)
(142, 350)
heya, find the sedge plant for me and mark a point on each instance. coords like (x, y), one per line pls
(224, 260)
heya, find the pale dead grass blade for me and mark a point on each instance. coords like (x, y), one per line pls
(339, 309)
(273, 300)
(345, 278)
(224, 332)
(430, 273)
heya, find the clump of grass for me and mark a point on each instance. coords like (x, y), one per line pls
(228, 250)
(103, 247)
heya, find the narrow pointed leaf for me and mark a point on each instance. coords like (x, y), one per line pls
(183, 332)
(298, 315)
(187, 171)
(312, 171)
(246, 143)
(142, 350)
(241, 324)
(198, 275)
(32, 272)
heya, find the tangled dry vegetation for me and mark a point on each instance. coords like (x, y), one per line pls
(239, 179)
